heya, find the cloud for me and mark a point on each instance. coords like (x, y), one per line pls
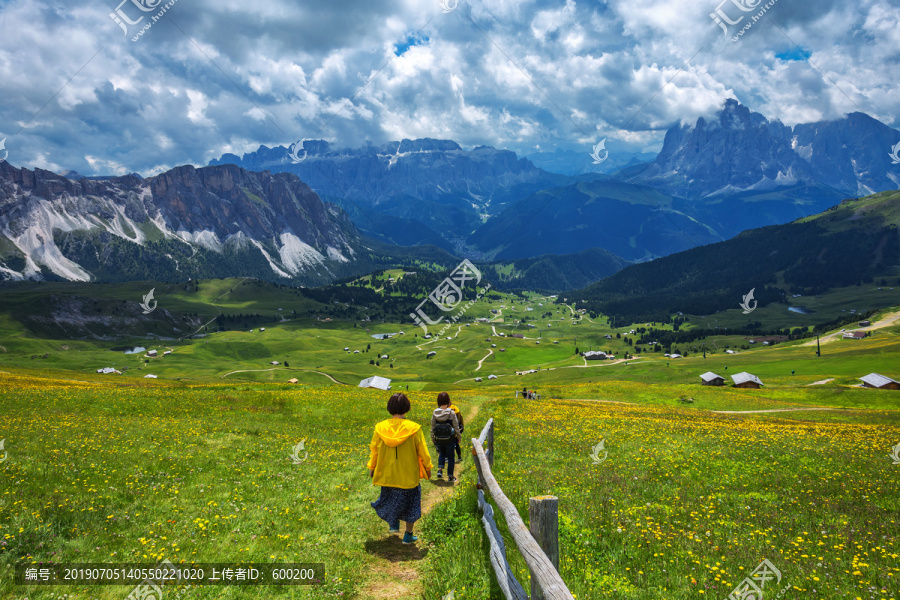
(227, 76)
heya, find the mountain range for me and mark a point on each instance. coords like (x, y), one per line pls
(187, 222)
(311, 214)
(722, 175)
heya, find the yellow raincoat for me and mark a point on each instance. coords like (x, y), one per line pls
(397, 451)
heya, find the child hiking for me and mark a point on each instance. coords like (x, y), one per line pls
(445, 434)
(398, 458)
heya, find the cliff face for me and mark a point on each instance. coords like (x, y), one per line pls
(214, 221)
(434, 183)
(740, 151)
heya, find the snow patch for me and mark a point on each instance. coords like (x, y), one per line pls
(206, 238)
(296, 255)
(335, 254)
(268, 256)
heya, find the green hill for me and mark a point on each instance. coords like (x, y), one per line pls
(854, 243)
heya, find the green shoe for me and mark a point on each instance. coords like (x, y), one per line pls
(409, 538)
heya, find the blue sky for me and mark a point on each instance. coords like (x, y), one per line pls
(211, 77)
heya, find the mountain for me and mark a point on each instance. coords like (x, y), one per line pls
(852, 243)
(211, 222)
(571, 162)
(739, 152)
(633, 222)
(553, 273)
(436, 183)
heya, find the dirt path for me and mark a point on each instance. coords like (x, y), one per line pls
(885, 321)
(490, 352)
(392, 577)
(821, 382)
(285, 370)
(213, 304)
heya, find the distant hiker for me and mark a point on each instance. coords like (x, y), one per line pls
(459, 420)
(524, 392)
(444, 434)
(398, 458)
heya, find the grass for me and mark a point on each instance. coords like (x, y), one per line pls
(687, 504)
(195, 465)
(143, 472)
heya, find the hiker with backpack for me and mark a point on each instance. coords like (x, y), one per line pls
(398, 458)
(445, 434)
(459, 421)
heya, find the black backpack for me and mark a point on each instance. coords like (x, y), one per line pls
(443, 431)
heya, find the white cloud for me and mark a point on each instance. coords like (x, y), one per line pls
(275, 72)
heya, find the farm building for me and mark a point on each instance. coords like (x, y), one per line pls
(262, 328)
(517, 335)
(149, 376)
(167, 352)
(492, 377)
(430, 354)
(594, 355)
(877, 381)
(746, 380)
(478, 379)
(855, 335)
(293, 380)
(274, 363)
(381, 383)
(151, 353)
(710, 378)
(865, 323)
(108, 370)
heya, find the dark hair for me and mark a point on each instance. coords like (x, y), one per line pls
(443, 399)
(398, 404)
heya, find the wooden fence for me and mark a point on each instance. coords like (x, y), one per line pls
(538, 545)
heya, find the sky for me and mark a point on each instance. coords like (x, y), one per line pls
(84, 92)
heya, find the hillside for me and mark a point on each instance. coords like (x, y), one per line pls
(633, 222)
(855, 242)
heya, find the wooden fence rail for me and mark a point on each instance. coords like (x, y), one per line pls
(546, 583)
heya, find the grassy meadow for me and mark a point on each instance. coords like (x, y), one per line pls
(195, 466)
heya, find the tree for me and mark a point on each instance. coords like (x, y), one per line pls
(286, 364)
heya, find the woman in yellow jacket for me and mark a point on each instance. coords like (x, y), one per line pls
(398, 458)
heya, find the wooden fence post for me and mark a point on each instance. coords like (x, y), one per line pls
(543, 522)
(490, 444)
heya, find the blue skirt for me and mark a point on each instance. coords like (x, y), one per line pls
(398, 504)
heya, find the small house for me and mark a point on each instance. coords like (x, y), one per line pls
(710, 378)
(493, 345)
(746, 380)
(346, 349)
(151, 353)
(729, 352)
(167, 352)
(294, 380)
(274, 363)
(865, 323)
(880, 382)
(855, 335)
(430, 354)
(149, 376)
(492, 377)
(262, 328)
(594, 355)
(383, 356)
(478, 379)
